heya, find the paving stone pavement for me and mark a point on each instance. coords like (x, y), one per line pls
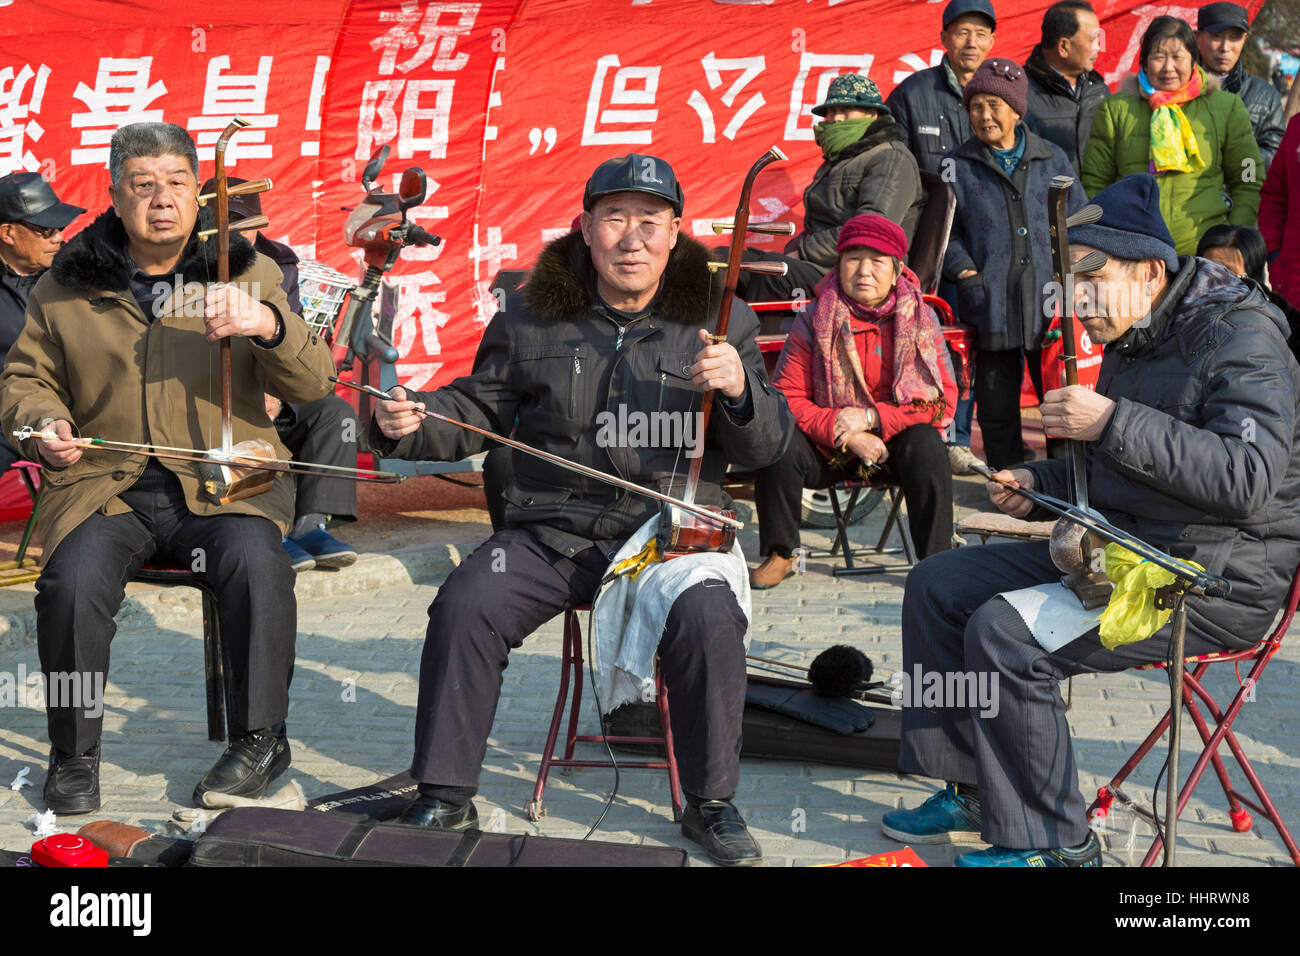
(353, 711)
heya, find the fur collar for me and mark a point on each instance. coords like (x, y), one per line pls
(562, 283)
(884, 130)
(95, 260)
(1130, 86)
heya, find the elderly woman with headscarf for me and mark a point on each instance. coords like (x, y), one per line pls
(1173, 120)
(867, 376)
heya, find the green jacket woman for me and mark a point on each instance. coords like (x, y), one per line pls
(1202, 150)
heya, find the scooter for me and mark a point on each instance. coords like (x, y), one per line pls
(378, 225)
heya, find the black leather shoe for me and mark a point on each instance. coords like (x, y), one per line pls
(72, 783)
(718, 827)
(434, 814)
(248, 766)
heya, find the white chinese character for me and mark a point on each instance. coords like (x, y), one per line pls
(311, 147)
(379, 102)
(16, 122)
(415, 298)
(750, 67)
(436, 40)
(621, 95)
(121, 96)
(494, 99)
(914, 64)
(494, 252)
(226, 95)
(831, 66)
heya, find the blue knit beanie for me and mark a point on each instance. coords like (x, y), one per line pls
(1131, 226)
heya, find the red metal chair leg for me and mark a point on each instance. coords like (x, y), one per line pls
(534, 810)
(665, 722)
(573, 661)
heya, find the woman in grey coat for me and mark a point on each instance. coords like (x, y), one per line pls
(999, 253)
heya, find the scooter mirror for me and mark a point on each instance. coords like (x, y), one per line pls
(411, 190)
(373, 168)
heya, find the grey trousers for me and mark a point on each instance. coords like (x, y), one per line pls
(1018, 749)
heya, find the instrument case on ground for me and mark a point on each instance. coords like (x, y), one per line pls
(256, 836)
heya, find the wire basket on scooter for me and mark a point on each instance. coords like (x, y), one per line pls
(322, 291)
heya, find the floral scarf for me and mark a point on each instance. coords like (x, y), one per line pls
(838, 381)
(1173, 144)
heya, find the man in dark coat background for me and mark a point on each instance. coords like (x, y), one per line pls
(1064, 89)
(1192, 438)
(612, 320)
(927, 105)
(32, 220)
(1221, 31)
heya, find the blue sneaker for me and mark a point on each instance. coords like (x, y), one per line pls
(326, 550)
(1087, 854)
(944, 818)
(299, 559)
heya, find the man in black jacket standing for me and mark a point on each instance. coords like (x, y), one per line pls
(927, 105)
(611, 323)
(1064, 89)
(1191, 446)
(1221, 31)
(32, 220)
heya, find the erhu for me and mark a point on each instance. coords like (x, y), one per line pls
(683, 531)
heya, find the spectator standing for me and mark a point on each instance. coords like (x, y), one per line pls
(1279, 216)
(1173, 120)
(999, 252)
(1221, 31)
(1064, 89)
(928, 105)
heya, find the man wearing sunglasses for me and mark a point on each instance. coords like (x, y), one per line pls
(32, 220)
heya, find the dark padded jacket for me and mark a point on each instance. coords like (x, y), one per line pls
(1054, 111)
(1267, 117)
(877, 175)
(1200, 456)
(927, 106)
(555, 358)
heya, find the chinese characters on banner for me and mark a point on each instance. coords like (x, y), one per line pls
(506, 106)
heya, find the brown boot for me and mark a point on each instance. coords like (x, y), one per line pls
(771, 572)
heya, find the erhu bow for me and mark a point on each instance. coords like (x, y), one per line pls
(682, 531)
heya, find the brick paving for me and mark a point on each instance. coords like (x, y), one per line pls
(353, 708)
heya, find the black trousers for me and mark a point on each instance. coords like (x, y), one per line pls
(509, 587)
(918, 462)
(998, 375)
(83, 582)
(324, 432)
(1016, 744)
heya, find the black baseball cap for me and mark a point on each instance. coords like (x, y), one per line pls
(246, 205)
(634, 173)
(27, 197)
(958, 8)
(1217, 17)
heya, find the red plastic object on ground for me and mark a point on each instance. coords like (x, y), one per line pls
(68, 849)
(904, 857)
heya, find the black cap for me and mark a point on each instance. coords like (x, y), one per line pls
(634, 173)
(27, 197)
(957, 8)
(1216, 17)
(247, 205)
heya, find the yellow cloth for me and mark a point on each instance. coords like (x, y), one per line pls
(1132, 615)
(639, 561)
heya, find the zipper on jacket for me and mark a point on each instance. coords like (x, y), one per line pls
(573, 384)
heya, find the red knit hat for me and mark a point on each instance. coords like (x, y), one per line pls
(875, 231)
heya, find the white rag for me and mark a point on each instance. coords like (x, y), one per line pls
(628, 615)
(1053, 614)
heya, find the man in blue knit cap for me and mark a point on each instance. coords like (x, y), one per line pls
(1190, 438)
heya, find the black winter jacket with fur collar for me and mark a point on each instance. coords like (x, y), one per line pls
(556, 368)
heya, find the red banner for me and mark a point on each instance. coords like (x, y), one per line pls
(507, 106)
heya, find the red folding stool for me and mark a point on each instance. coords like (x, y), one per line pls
(1259, 655)
(571, 668)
